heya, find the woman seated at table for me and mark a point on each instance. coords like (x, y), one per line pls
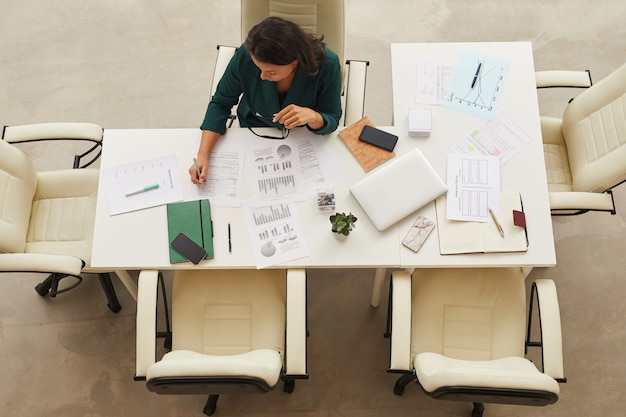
(287, 78)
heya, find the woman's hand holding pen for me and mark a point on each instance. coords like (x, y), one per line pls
(293, 116)
(198, 170)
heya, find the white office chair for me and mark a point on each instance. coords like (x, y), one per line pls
(322, 17)
(233, 331)
(585, 151)
(47, 218)
(461, 334)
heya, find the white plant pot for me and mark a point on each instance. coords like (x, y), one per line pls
(339, 236)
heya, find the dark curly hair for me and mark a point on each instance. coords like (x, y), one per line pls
(278, 41)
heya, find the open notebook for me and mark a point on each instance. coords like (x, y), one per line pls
(397, 189)
(457, 236)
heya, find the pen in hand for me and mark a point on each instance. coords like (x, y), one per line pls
(495, 220)
(195, 164)
(476, 74)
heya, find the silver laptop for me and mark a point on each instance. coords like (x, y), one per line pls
(397, 189)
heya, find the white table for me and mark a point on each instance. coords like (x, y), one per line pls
(138, 240)
(525, 173)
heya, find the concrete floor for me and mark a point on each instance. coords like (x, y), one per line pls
(148, 64)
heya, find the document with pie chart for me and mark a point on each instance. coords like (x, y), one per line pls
(275, 232)
(276, 171)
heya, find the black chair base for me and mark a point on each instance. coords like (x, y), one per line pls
(50, 286)
(478, 410)
(402, 382)
(211, 405)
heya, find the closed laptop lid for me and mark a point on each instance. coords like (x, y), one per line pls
(397, 189)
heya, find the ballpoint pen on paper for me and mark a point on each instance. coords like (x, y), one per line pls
(230, 246)
(495, 220)
(476, 74)
(143, 189)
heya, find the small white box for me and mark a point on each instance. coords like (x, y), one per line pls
(420, 122)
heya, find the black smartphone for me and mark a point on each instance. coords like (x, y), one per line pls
(378, 138)
(188, 248)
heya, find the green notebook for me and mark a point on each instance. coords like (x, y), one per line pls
(192, 218)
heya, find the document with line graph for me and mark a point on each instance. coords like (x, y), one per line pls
(477, 85)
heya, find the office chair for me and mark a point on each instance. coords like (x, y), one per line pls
(47, 218)
(322, 17)
(461, 335)
(585, 151)
(233, 331)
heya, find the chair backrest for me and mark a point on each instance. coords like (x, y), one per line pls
(226, 312)
(18, 183)
(594, 128)
(322, 17)
(470, 314)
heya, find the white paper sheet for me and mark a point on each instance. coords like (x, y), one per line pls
(499, 137)
(275, 232)
(124, 179)
(292, 168)
(473, 187)
(223, 183)
(433, 81)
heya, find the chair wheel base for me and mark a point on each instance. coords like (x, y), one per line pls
(42, 289)
(114, 308)
(478, 410)
(289, 386)
(402, 382)
(211, 405)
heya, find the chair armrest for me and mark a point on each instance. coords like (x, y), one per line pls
(572, 201)
(565, 78)
(224, 55)
(295, 343)
(44, 263)
(49, 131)
(146, 321)
(355, 91)
(65, 131)
(551, 337)
(400, 321)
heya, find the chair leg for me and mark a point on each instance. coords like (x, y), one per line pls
(289, 385)
(402, 382)
(478, 410)
(109, 291)
(211, 405)
(50, 285)
(43, 288)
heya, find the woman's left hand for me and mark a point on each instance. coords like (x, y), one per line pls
(293, 116)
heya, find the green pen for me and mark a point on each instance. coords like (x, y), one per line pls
(143, 190)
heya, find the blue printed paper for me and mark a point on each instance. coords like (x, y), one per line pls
(477, 85)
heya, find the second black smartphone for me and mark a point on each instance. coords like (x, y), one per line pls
(188, 248)
(378, 138)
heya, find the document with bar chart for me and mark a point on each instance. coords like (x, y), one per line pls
(276, 171)
(275, 232)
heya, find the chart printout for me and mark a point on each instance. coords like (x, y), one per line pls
(477, 85)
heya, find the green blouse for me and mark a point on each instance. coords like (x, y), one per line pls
(260, 100)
